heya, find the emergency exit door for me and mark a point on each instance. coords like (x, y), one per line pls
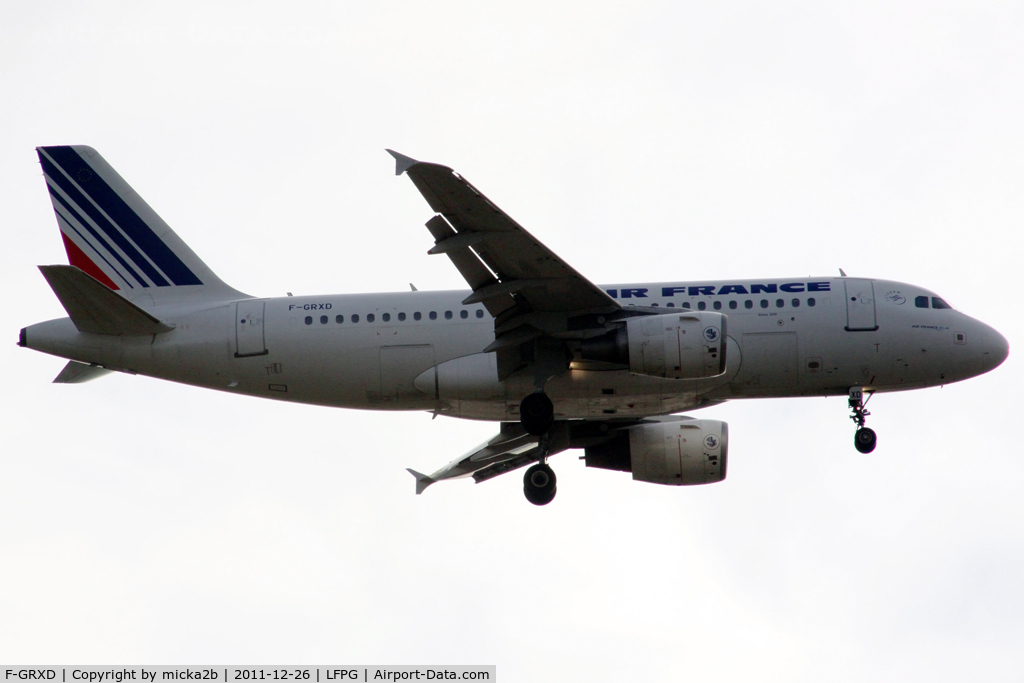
(860, 305)
(249, 338)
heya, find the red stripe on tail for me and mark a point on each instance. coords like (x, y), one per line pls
(78, 259)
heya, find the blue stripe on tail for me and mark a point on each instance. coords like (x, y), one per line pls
(130, 223)
(54, 173)
(62, 219)
(99, 238)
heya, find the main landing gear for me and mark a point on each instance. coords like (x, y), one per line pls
(537, 415)
(864, 440)
(539, 484)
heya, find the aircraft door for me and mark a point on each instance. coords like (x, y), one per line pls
(860, 305)
(249, 337)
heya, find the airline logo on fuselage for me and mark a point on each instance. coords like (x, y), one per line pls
(709, 290)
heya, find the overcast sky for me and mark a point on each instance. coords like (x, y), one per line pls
(146, 522)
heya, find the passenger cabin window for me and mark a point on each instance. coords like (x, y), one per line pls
(718, 305)
(796, 303)
(779, 303)
(811, 302)
(433, 315)
(686, 304)
(355, 317)
(417, 315)
(447, 315)
(939, 303)
(386, 317)
(748, 304)
(370, 318)
(701, 305)
(671, 304)
(479, 312)
(309, 320)
(764, 303)
(921, 301)
(323, 320)
(401, 316)
(463, 314)
(339, 319)
(733, 305)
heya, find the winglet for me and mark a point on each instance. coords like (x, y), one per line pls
(402, 162)
(422, 480)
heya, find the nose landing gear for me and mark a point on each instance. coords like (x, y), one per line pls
(864, 440)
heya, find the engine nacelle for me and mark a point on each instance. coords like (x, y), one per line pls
(672, 451)
(684, 345)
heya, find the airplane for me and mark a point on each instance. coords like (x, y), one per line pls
(560, 362)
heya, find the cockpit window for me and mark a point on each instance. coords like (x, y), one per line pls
(921, 301)
(939, 303)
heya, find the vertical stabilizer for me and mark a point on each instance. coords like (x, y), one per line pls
(114, 236)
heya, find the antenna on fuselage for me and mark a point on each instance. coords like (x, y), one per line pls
(413, 287)
(842, 272)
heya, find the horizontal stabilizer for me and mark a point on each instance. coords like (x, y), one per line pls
(94, 307)
(422, 480)
(77, 373)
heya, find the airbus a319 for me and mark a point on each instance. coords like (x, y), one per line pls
(558, 361)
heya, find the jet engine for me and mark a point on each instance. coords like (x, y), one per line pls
(671, 451)
(686, 345)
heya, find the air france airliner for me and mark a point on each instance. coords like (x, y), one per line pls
(558, 361)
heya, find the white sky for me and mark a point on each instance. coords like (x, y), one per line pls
(145, 522)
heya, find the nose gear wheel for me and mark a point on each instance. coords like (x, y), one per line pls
(864, 440)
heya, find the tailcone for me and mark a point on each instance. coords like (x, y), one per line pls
(61, 338)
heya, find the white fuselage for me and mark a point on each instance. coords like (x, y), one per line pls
(422, 350)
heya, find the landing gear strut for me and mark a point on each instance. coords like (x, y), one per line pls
(537, 413)
(539, 484)
(864, 440)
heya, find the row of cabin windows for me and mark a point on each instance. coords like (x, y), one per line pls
(386, 317)
(922, 302)
(733, 305)
(701, 305)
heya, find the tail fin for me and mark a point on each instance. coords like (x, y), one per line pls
(111, 234)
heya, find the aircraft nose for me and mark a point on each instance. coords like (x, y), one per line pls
(997, 348)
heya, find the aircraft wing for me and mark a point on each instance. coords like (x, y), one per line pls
(511, 449)
(527, 288)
